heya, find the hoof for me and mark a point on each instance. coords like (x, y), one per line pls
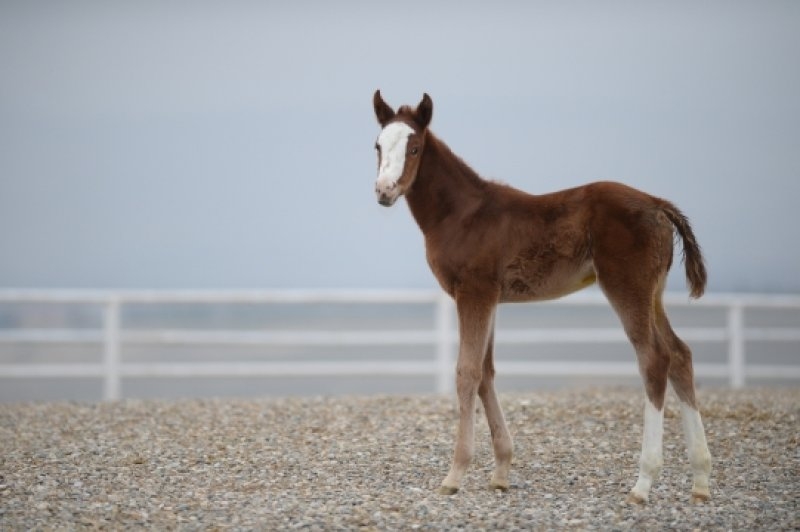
(498, 486)
(448, 490)
(634, 498)
(699, 497)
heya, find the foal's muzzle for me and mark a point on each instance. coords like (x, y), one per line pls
(387, 192)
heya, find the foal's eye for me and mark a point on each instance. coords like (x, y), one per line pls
(377, 147)
(414, 150)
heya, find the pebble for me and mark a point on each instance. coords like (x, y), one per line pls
(375, 463)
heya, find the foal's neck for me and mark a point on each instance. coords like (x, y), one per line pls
(445, 186)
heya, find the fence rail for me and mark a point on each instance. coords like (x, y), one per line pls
(112, 369)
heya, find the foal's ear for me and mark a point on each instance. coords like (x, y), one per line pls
(424, 112)
(383, 112)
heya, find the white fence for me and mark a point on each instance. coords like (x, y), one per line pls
(441, 334)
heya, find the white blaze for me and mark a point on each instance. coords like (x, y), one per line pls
(392, 141)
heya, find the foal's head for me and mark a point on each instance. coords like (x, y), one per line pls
(399, 145)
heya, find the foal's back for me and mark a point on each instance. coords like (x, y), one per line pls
(552, 244)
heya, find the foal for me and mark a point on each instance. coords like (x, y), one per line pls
(488, 243)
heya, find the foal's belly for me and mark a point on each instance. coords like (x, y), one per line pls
(530, 281)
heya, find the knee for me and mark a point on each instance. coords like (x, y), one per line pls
(468, 378)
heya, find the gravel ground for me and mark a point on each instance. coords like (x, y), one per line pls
(375, 463)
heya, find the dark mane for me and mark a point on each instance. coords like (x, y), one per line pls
(454, 163)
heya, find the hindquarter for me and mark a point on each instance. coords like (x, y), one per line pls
(631, 243)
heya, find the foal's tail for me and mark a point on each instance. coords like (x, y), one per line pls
(692, 257)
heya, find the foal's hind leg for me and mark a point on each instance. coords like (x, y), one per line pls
(681, 375)
(635, 307)
(653, 365)
(501, 439)
(474, 322)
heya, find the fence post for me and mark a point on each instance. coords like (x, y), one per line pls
(111, 376)
(736, 358)
(444, 345)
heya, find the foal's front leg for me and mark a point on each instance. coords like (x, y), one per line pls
(474, 321)
(501, 439)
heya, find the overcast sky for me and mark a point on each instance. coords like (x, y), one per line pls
(230, 144)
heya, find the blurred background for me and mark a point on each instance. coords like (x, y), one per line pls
(210, 145)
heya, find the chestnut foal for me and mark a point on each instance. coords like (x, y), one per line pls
(488, 243)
